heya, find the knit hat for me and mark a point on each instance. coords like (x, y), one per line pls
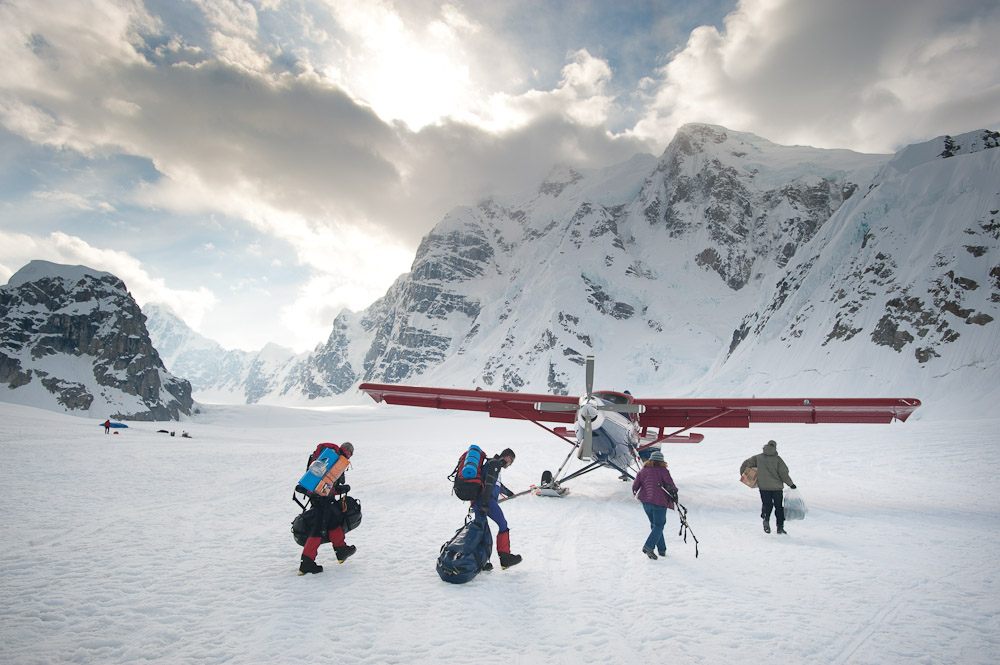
(657, 456)
(347, 448)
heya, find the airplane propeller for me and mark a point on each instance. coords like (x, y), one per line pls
(588, 410)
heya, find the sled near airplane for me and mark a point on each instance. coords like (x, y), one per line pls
(608, 430)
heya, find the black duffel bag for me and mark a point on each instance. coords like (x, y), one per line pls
(350, 513)
(345, 513)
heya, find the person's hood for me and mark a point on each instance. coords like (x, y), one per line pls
(771, 448)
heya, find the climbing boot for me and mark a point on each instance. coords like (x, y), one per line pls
(781, 529)
(507, 559)
(649, 553)
(767, 526)
(309, 566)
(344, 553)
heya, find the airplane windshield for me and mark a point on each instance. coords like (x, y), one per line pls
(614, 398)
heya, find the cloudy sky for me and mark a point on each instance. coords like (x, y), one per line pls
(260, 165)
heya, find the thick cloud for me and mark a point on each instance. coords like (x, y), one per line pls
(858, 74)
(230, 137)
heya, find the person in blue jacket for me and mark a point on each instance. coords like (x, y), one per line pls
(489, 504)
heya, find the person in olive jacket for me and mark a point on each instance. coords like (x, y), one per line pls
(772, 476)
(657, 491)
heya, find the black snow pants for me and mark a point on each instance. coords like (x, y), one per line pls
(772, 499)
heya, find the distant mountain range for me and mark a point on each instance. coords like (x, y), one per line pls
(728, 266)
(217, 374)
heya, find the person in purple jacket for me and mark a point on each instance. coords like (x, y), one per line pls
(657, 491)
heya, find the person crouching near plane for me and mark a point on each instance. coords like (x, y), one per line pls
(489, 504)
(657, 491)
(772, 476)
(327, 514)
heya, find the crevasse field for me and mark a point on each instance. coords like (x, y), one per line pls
(139, 547)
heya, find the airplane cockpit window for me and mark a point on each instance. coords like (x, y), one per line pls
(613, 398)
(618, 398)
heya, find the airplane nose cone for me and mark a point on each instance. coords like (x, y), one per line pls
(588, 412)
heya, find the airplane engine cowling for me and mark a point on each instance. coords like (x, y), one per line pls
(596, 418)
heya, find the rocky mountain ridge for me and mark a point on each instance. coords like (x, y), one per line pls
(75, 339)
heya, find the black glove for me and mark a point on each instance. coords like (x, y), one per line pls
(343, 489)
(792, 486)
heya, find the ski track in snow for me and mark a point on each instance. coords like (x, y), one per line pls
(140, 547)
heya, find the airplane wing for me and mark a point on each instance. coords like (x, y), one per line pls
(681, 413)
(496, 404)
(687, 413)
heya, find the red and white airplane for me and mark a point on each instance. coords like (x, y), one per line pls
(608, 431)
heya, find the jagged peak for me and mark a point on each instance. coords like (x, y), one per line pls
(943, 147)
(162, 310)
(769, 164)
(695, 137)
(717, 133)
(559, 178)
(39, 269)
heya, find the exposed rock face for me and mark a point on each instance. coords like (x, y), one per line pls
(718, 186)
(327, 371)
(79, 335)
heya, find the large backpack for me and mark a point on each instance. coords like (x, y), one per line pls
(466, 553)
(325, 467)
(467, 477)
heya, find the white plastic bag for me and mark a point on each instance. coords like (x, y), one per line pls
(795, 505)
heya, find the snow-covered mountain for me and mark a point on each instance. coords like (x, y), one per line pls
(74, 339)
(901, 287)
(729, 265)
(216, 374)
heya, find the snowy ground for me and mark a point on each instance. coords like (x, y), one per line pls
(140, 547)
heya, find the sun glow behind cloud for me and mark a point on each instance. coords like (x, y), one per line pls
(417, 74)
(428, 71)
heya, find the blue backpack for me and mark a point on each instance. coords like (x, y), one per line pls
(466, 553)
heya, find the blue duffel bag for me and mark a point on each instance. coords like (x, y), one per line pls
(466, 553)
